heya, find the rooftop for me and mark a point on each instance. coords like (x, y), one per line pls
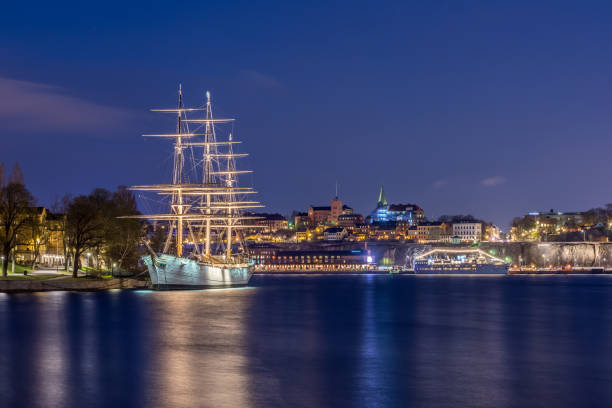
(333, 230)
(404, 207)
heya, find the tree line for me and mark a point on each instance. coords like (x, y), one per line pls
(90, 224)
(593, 223)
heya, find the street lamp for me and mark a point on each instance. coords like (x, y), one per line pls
(113, 269)
(88, 262)
(57, 252)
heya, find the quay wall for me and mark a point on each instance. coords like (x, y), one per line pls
(557, 254)
(540, 254)
(46, 285)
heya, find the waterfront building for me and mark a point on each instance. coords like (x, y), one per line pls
(282, 235)
(268, 222)
(328, 214)
(446, 238)
(350, 221)
(274, 258)
(335, 210)
(42, 239)
(412, 233)
(359, 233)
(384, 232)
(551, 225)
(318, 215)
(31, 239)
(557, 218)
(53, 252)
(302, 234)
(492, 233)
(468, 230)
(334, 234)
(385, 212)
(431, 231)
(300, 220)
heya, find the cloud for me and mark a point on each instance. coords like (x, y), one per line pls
(260, 80)
(493, 181)
(439, 184)
(35, 107)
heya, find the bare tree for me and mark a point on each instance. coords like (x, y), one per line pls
(2, 177)
(123, 236)
(15, 201)
(16, 175)
(84, 227)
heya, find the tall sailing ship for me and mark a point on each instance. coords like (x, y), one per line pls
(205, 206)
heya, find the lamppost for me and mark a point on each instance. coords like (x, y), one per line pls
(35, 256)
(88, 262)
(56, 252)
(113, 269)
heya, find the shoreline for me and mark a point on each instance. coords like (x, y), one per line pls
(93, 285)
(541, 272)
(69, 284)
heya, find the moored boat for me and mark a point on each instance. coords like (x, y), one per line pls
(204, 207)
(443, 261)
(171, 272)
(464, 268)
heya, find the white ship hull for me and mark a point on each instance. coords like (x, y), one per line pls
(460, 269)
(171, 272)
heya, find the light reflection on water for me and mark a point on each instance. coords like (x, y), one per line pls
(356, 341)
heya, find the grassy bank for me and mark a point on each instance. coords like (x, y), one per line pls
(18, 269)
(55, 277)
(27, 277)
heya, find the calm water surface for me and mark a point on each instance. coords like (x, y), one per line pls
(315, 341)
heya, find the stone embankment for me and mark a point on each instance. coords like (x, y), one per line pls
(538, 254)
(67, 283)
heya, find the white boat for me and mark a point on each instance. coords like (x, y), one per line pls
(444, 261)
(171, 272)
(204, 207)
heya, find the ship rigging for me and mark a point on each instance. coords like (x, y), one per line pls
(206, 205)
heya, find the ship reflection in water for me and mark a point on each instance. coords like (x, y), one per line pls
(357, 341)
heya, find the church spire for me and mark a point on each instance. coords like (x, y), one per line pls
(382, 201)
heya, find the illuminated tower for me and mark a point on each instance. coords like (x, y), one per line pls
(382, 201)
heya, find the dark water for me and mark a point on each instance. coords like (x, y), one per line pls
(352, 341)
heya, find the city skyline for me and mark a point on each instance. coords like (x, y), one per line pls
(504, 119)
(311, 204)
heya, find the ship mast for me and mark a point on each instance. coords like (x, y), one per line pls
(207, 175)
(213, 204)
(230, 184)
(177, 199)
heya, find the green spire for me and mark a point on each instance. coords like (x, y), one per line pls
(382, 201)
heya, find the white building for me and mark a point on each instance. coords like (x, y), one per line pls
(334, 234)
(468, 231)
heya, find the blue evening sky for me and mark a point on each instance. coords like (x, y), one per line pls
(493, 108)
